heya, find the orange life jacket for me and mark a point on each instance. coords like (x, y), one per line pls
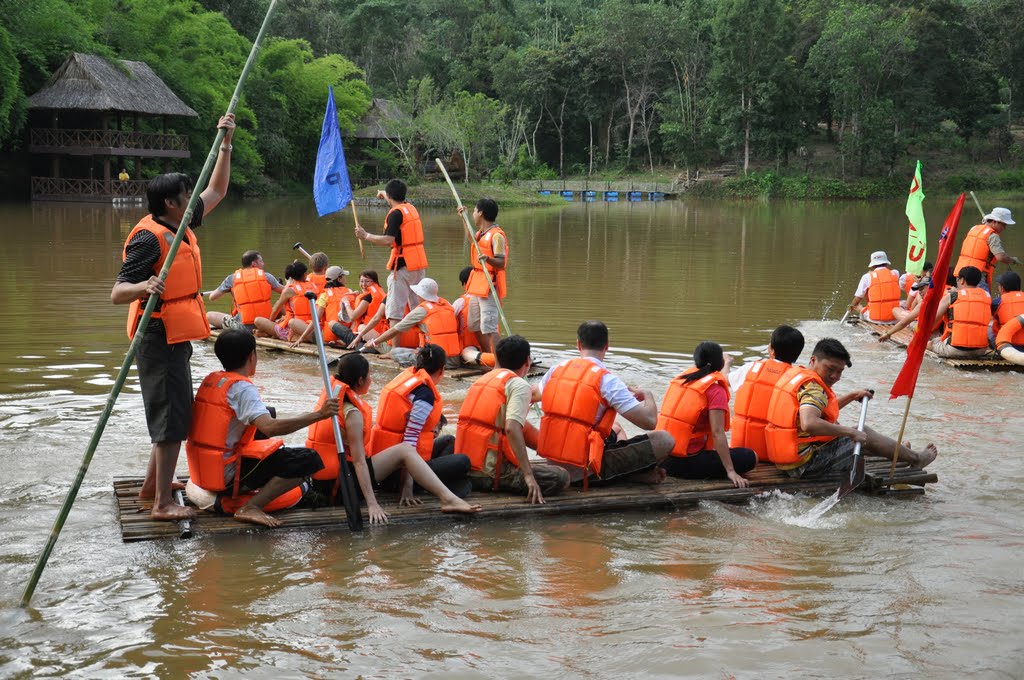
(440, 327)
(975, 252)
(883, 294)
(297, 306)
(1012, 333)
(1011, 304)
(908, 283)
(477, 284)
(782, 440)
(967, 319)
(181, 307)
(682, 407)
(393, 408)
(377, 296)
(251, 292)
(330, 313)
(206, 447)
(569, 430)
(481, 428)
(350, 298)
(320, 436)
(467, 338)
(751, 406)
(411, 250)
(319, 282)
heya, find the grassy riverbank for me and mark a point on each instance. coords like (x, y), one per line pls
(439, 193)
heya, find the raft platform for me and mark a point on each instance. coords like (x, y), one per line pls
(672, 494)
(334, 353)
(991, 361)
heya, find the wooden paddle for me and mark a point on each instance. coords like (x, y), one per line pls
(347, 488)
(856, 476)
(133, 348)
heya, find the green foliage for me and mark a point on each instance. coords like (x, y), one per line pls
(525, 167)
(12, 99)
(772, 185)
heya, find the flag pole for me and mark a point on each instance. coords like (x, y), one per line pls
(899, 439)
(129, 358)
(355, 216)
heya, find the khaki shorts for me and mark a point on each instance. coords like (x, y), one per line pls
(400, 297)
(947, 351)
(483, 315)
(551, 479)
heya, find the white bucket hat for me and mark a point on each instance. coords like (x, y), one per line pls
(335, 272)
(426, 289)
(1000, 215)
(878, 257)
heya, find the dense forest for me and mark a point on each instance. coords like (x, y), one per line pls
(547, 88)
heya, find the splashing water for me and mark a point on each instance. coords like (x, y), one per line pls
(830, 304)
(786, 508)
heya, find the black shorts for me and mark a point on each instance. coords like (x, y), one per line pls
(326, 486)
(288, 462)
(165, 378)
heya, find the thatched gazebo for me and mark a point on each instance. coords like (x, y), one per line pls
(86, 104)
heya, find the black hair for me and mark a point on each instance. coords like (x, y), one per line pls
(334, 283)
(787, 342)
(708, 357)
(370, 274)
(352, 368)
(830, 348)
(249, 257)
(318, 262)
(488, 207)
(296, 270)
(288, 268)
(928, 266)
(430, 358)
(1010, 281)
(233, 348)
(950, 278)
(592, 335)
(970, 275)
(165, 186)
(395, 189)
(464, 275)
(512, 352)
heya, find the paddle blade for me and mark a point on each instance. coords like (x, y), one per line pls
(856, 475)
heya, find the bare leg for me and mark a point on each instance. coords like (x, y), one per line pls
(216, 319)
(880, 445)
(265, 327)
(252, 511)
(297, 328)
(390, 459)
(662, 443)
(163, 460)
(490, 340)
(899, 313)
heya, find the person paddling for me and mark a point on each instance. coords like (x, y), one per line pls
(353, 380)
(250, 288)
(879, 288)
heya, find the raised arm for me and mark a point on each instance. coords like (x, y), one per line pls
(217, 188)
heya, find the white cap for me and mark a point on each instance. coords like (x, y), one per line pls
(335, 272)
(426, 289)
(1000, 215)
(878, 258)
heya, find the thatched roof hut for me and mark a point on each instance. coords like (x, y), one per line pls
(92, 83)
(372, 125)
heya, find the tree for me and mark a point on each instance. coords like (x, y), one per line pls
(12, 99)
(468, 123)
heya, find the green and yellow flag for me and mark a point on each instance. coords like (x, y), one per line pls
(917, 240)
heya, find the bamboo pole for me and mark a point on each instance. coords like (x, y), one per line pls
(978, 203)
(899, 440)
(476, 246)
(129, 358)
(355, 216)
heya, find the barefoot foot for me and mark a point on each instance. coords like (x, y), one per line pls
(253, 515)
(457, 505)
(173, 512)
(149, 490)
(925, 457)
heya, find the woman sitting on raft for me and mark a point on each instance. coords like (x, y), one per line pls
(696, 407)
(297, 312)
(353, 379)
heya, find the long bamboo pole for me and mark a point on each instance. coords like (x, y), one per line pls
(129, 358)
(476, 246)
(978, 203)
(899, 440)
(355, 217)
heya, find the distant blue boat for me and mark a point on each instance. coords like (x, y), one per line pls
(567, 195)
(611, 196)
(636, 195)
(544, 192)
(656, 196)
(590, 193)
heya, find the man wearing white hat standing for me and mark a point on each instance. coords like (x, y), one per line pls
(437, 324)
(983, 247)
(879, 288)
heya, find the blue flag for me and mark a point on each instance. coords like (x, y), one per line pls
(332, 189)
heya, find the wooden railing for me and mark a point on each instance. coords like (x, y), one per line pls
(115, 139)
(61, 188)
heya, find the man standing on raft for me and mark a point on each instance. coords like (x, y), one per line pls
(180, 317)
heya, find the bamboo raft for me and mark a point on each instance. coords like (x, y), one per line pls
(991, 361)
(672, 494)
(334, 353)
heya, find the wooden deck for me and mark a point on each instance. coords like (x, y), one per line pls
(992, 361)
(673, 494)
(334, 353)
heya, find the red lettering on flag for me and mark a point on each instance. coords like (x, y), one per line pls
(914, 258)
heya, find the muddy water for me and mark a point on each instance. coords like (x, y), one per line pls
(875, 587)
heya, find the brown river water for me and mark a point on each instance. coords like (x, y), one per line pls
(930, 586)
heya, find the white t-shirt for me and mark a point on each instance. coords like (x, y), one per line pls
(613, 390)
(244, 399)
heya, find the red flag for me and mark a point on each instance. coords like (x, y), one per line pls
(906, 381)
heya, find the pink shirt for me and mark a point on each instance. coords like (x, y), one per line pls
(718, 400)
